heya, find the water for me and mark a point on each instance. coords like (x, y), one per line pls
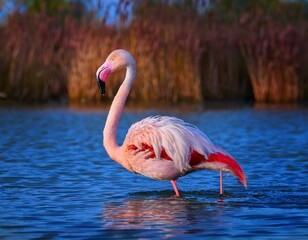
(57, 181)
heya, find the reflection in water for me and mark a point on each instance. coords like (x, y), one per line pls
(168, 214)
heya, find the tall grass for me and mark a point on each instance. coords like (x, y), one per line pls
(36, 53)
(182, 54)
(272, 58)
(223, 72)
(166, 65)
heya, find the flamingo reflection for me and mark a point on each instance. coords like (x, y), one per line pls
(163, 213)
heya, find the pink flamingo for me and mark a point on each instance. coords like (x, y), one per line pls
(159, 147)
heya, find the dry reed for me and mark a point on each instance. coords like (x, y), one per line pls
(271, 53)
(182, 55)
(36, 54)
(165, 63)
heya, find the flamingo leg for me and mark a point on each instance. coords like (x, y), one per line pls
(220, 182)
(176, 190)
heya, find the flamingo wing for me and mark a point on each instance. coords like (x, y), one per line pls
(168, 138)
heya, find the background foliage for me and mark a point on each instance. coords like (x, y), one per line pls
(186, 51)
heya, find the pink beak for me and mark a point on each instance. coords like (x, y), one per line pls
(102, 75)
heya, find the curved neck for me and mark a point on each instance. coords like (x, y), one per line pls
(116, 109)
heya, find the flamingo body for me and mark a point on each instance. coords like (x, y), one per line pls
(166, 148)
(159, 147)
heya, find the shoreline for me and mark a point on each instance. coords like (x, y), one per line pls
(159, 106)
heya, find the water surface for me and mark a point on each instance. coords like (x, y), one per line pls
(57, 181)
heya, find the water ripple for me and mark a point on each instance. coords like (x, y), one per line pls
(57, 181)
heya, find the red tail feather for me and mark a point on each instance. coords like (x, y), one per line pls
(231, 163)
(218, 157)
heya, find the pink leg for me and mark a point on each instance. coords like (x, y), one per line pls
(220, 182)
(175, 188)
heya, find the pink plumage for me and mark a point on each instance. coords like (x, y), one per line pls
(159, 147)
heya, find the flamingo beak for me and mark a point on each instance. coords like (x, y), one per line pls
(101, 77)
(101, 84)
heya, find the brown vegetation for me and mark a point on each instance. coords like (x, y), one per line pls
(181, 54)
(35, 56)
(271, 54)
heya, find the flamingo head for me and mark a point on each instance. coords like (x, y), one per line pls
(117, 60)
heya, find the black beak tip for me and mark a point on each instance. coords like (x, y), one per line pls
(101, 86)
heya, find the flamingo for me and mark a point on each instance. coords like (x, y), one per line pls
(158, 147)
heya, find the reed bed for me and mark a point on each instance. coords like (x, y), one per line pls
(182, 54)
(164, 73)
(271, 55)
(36, 53)
(222, 70)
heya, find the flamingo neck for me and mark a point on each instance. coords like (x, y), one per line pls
(116, 109)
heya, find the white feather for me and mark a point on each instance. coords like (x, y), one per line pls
(173, 135)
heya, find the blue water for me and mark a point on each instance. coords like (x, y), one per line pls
(57, 181)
